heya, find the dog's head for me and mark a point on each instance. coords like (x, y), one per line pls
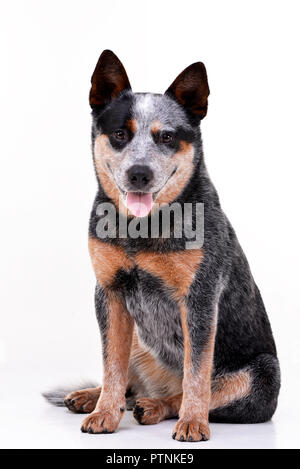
(144, 143)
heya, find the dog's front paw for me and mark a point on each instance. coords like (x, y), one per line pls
(102, 421)
(191, 430)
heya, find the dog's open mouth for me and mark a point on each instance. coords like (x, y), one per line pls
(139, 203)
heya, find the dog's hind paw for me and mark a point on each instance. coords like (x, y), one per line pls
(149, 411)
(83, 401)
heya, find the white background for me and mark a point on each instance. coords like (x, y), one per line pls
(48, 330)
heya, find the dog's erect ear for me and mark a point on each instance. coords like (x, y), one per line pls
(108, 80)
(190, 89)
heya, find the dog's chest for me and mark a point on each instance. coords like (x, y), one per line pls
(153, 288)
(153, 285)
(157, 317)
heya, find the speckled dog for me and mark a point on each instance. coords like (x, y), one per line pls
(184, 331)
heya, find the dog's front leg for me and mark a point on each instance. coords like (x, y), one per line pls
(116, 328)
(199, 340)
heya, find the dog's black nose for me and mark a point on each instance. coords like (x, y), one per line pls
(139, 176)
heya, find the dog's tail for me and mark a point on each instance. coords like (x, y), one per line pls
(57, 397)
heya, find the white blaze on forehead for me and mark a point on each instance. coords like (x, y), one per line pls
(150, 107)
(145, 104)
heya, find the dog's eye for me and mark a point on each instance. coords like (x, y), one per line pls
(120, 134)
(166, 137)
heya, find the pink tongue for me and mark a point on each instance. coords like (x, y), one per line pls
(139, 204)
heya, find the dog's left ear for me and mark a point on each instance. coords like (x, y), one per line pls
(108, 80)
(190, 89)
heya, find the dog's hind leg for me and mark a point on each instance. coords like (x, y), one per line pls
(249, 396)
(245, 396)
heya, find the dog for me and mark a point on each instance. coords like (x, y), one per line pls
(184, 331)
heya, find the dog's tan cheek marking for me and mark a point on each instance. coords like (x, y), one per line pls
(104, 155)
(196, 383)
(107, 260)
(157, 380)
(183, 160)
(230, 387)
(176, 269)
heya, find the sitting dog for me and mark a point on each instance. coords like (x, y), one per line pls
(184, 330)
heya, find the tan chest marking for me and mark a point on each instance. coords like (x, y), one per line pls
(176, 269)
(107, 259)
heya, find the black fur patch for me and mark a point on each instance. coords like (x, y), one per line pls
(180, 134)
(114, 117)
(138, 413)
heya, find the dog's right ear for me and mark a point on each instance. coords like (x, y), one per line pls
(108, 81)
